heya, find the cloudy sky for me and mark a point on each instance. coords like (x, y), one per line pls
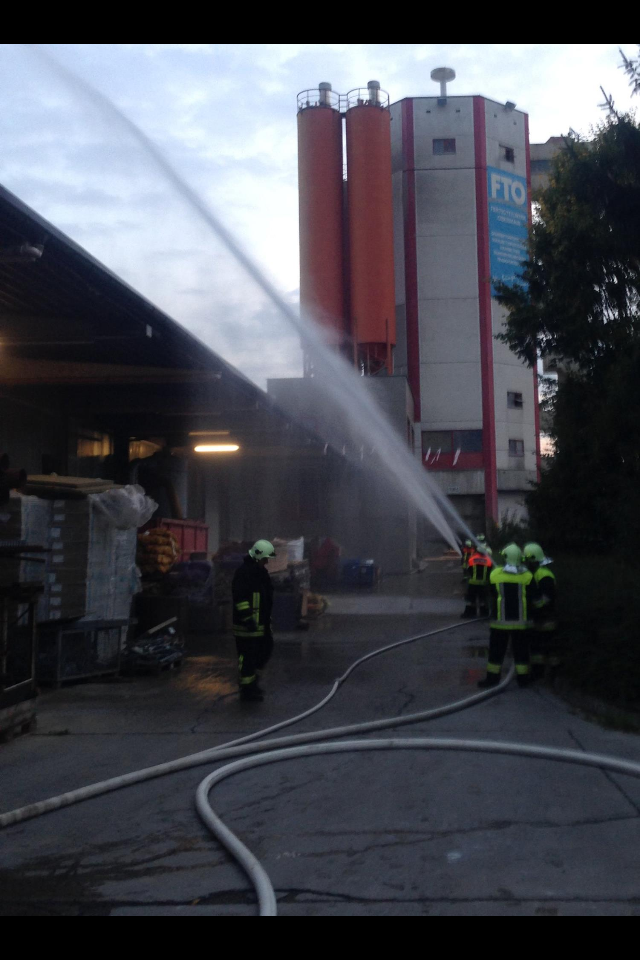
(225, 117)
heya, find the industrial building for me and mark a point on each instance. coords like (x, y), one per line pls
(398, 265)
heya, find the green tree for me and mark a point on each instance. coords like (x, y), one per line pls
(581, 298)
(580, 303)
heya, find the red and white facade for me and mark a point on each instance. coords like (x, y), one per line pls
(475, 402)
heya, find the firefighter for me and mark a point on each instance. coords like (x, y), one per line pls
(479, 569)
(542, 636)
(511, 595)
(467, 550)
(252, 593)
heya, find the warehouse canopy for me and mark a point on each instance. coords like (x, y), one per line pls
(69, 325)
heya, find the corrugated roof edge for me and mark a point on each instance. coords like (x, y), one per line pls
(86, 259)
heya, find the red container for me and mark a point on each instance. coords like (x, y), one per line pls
(192, 535)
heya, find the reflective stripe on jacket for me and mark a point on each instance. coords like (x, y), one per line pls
(252, 593)
(511, 599)
(479, 566)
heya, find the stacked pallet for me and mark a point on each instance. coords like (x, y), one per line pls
(51, 487)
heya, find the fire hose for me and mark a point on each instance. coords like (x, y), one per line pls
(314, 744)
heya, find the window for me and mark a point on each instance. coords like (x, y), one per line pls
(437, 440)
(444, 146)
(516, 448)
(451, 442)
(507, 153)
(468, 441)
(514, 401)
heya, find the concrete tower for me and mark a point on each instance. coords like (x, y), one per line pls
(461, 187)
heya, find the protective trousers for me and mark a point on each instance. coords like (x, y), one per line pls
(253, 654)
(498, 643)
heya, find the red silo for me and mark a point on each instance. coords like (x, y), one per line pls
(320, 185)
(370, 220)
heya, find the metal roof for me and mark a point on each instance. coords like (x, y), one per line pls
(68, 309)
(67, 305)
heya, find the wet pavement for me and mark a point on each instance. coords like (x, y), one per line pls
(387, 833)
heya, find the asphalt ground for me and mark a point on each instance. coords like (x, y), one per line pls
(397, 833)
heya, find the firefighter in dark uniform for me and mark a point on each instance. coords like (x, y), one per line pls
(542, 636)
(252, 593)
(478, 572)
(512, 596)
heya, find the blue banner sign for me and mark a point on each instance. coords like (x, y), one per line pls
(508, 224)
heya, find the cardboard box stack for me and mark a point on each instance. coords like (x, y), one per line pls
(89, 570)
(92, 570)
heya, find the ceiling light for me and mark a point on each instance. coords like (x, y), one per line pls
(216, 448)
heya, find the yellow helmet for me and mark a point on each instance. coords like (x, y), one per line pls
(512, 554)
(262, 550)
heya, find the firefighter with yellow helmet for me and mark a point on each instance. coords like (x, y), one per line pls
(512, 596)
(252, 593)
(542, 635)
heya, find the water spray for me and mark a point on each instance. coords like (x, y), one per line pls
(339, 381)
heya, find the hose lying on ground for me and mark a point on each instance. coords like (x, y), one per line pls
(253, 868)
(307, 745)
(235, 748)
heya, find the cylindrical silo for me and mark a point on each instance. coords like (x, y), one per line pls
(370, 220)
(321, 210)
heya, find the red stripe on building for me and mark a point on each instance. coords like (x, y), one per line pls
(536, 399)
(411, 256)
(484, 298)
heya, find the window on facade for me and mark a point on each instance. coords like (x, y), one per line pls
(468, 441)
(514, 400)
(437, 440)
(507, 153)
(444, 146)
(452, 441)
(516, 448)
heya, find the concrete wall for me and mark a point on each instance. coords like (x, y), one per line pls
(447, 266)
(512, 505)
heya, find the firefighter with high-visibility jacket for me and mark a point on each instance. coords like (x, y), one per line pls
(512, 596)
(252, 593)
(478, 571)
(542, 636)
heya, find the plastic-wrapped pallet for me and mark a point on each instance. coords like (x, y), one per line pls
(281, 558)
(93, 572)
(295, 550)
